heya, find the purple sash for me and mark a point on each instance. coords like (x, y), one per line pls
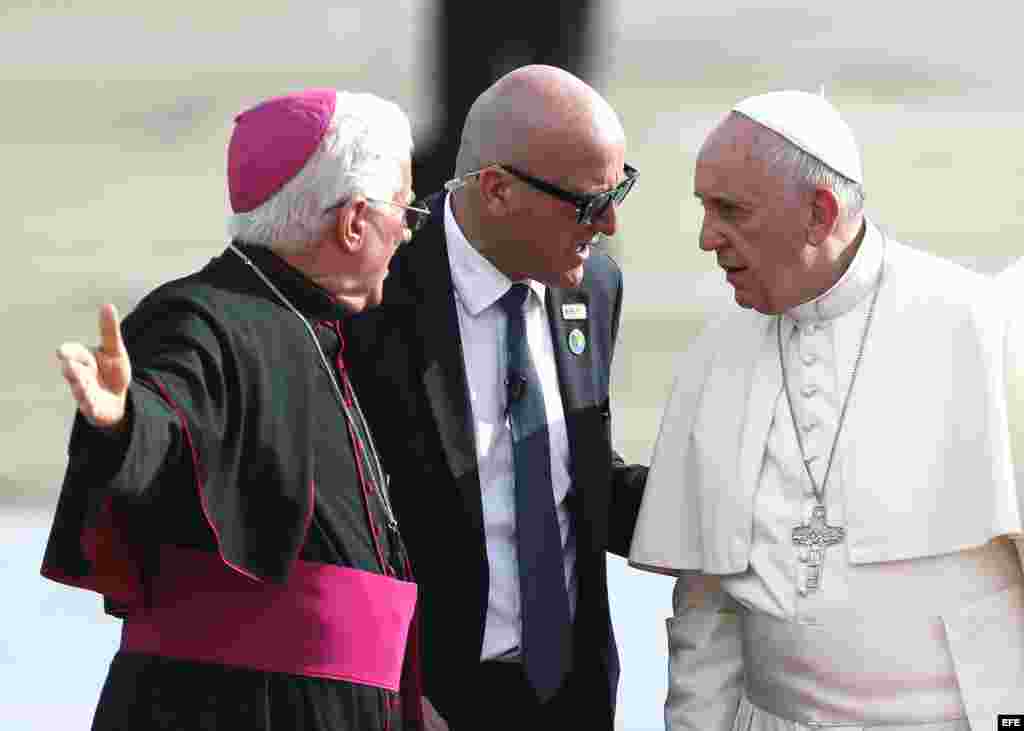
(326, 621)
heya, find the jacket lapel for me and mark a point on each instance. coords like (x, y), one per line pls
(576, 385)
(575, 370)
(443, 367)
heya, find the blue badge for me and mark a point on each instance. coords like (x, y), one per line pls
(577, 341)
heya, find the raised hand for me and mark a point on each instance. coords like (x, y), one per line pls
(99, 377)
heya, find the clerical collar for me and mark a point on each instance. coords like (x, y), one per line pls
(478, 283)
(312, 300)
(856, 283)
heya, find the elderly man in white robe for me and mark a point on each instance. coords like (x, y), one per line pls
(833, 480)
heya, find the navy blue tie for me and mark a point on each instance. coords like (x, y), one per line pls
(547, 636)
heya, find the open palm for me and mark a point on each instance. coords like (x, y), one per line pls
(99, 377)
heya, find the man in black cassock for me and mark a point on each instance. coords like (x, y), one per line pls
(223, 492)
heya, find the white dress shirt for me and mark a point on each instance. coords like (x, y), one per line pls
(482, 327)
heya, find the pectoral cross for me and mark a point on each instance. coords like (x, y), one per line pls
(817, 536)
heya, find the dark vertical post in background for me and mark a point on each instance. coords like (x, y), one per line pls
(478, 41)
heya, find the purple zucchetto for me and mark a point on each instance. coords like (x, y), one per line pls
(271, 143)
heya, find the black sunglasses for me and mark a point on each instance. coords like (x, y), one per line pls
(589, 206)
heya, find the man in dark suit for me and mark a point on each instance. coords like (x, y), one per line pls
(492, 413)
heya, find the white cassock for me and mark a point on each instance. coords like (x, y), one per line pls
(919, 619)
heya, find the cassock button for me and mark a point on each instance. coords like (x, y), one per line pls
(809, 359)
(808, 390)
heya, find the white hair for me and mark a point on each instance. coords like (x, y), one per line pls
(805, 169)
(361, 153)
(810, 171)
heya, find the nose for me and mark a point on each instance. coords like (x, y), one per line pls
(608, 222)
(710, 239)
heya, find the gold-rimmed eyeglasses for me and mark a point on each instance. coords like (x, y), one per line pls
(414, 216)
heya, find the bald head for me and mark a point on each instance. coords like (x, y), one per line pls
(532, 113)
(537, 142)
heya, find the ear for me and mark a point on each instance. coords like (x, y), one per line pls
(495, 191)
(351, 224)
(824, 216)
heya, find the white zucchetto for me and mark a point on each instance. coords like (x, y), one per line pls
(811, 123)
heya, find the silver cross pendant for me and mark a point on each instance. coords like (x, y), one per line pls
(816, 537)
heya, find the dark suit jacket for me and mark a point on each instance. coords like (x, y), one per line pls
(407, 363)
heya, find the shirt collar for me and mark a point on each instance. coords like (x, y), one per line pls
(856, 283)
(478, 283)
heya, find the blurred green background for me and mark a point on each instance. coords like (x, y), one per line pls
(116, 115)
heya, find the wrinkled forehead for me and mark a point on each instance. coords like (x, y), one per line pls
(733, 156)
(586, 159)
(735, 138)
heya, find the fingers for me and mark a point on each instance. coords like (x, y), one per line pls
(75, 352)
(111, 342)
(79, 378)
(98, 378)
(100, 405)
(78, 366)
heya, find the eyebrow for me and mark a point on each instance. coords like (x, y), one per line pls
(720, 199)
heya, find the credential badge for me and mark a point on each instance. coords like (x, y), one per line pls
(574, 311)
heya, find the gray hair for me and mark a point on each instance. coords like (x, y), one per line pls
(361, 153)
(804, 169)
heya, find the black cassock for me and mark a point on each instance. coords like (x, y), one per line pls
(234, 425)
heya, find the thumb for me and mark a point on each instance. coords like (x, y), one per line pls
(111, 343)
